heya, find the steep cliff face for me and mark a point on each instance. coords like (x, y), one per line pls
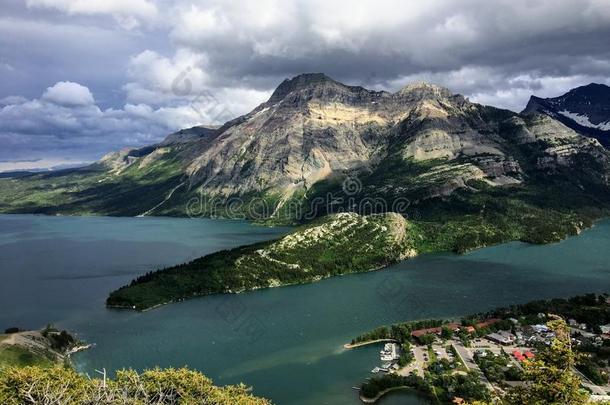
(313, 128)
(418, 143)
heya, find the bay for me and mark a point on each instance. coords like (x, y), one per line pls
(285, 342)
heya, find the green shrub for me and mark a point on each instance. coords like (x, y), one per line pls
(35, 385)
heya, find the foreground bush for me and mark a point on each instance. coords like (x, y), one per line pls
(34, 385)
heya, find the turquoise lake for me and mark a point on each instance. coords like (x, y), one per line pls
(285, 342)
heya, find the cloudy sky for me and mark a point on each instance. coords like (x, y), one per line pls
(80, 78)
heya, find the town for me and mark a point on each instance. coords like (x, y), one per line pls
(455, 362)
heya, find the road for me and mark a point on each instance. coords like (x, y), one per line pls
(468, 360)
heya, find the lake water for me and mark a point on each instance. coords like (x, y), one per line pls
(285, 342)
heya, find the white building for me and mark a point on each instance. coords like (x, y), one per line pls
(540, 328)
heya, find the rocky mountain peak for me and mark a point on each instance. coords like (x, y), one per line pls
(585, 109)
(304, 88)
(300, 82)
(421, 90)
(318, 86)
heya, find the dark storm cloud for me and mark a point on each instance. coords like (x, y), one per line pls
(391, 39)
(129, 56)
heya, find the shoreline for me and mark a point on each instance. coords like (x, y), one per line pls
(78, 349)
(298, 283)
(384, 392)
(317, 279)
(38, 344)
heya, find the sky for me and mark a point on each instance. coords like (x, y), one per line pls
(81, 78)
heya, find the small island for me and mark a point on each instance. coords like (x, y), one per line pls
(493, 356)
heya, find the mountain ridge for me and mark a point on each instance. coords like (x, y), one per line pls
(586, 109)
(421, 143)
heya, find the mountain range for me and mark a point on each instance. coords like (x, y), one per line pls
(422, 151)
(371, 177)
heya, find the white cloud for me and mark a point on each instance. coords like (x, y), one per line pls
(142, 8)
(428, 33)
(155, 79)
(183, 83)
(6, 66)
(69, 94)
(65, 122)
(13, 100)
(513, 93)
(488, 86)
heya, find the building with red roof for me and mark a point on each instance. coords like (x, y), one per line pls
(434, 331)
(488, 323)
(518, 355)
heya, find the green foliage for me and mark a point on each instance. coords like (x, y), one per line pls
(376, 334)
(401, 332)
(17, 356)
(440, 374)
(376, 385)
(59, 341)
(333, 245)
(32, 349)
(497, 368)
(406, 356)
(467, 386)
(548, 206)
(468, 219)
(94, 190)
(590, 309)
(427, 339)
(446, 333)
(35, 385)
(593, 372)
(550, 377)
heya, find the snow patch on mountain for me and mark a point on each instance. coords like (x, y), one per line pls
(583, 120)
